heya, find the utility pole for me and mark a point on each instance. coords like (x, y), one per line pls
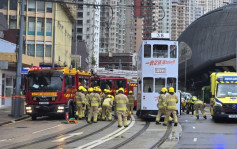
(18, 101)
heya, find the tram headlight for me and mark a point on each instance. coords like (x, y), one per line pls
(60, 108)
(28, 108)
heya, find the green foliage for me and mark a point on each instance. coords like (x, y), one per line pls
(93, 61)
(206, 94)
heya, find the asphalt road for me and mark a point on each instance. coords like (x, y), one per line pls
(206, 134)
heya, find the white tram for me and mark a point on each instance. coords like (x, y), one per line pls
(157, 68)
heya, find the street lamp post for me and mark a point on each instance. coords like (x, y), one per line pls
(18, 101)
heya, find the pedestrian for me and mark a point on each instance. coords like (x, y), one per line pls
(79, 101)
(94, 100)
(121, 102)
(107, 108)
(131, 98)
(199, 105)
(171, 101)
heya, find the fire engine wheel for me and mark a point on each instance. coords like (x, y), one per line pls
(71, 111)
(33, 117)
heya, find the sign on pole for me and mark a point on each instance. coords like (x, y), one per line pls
(185, 52)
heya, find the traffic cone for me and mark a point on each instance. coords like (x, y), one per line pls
(66, 116)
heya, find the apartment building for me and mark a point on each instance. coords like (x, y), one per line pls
(178, 20)
(88, 28)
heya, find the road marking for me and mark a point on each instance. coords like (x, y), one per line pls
(194, 139)
(69, 136)
(7, 139)
(186, 120)
(194, 127)
(108, 137)
(46, 129)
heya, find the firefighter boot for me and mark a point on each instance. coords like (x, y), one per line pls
(158, 123)
(164, 124)
(205, 117)
(175, 124)
(197, 117)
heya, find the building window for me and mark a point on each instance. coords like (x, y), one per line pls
(3, 4)
(31, 49)
(13, 4)
(79, 14)
(48, 50)
(79, 30)
(49, 6)
(79, 22)
(40, 50)
(79, 38)
(40, 6)
(31, 5)
(49, 27)
(12, 22)
(40, 26)
(160, 51)
(31, 26)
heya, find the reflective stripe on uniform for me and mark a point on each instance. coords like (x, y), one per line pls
(120, 101)
(122, 108)
(172, 100)
(94, 104)
(171, 107)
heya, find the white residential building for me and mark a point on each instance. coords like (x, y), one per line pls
(88, 28)
(164, 25)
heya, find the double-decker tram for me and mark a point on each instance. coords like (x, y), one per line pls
(157, 68)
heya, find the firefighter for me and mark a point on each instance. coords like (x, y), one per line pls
(104, 95)
(84, 103)
(107, 108)
(121, 102)
(94, 100)
(198, 104)
(171, 100)
(161, 105)
(131, 102)
(87, 103)
(79, 101)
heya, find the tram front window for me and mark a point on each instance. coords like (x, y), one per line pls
(173, 51)
(171, 82)
(160, 51)
(147, 85)
(147, 51)
(159, 83)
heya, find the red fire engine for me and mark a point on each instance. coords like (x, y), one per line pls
(52, 91)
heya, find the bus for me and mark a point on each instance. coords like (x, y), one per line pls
(157, 68)
(112, 83)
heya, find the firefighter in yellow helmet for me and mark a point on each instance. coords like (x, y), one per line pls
(199, 105)
(84, 103)
(161, 105)
(107, 108)
(80, 101)
(88, 104)
(131, 98)
(94, 100)
(171, 101)
(121, 102)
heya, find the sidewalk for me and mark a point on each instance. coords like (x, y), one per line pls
(6, 118)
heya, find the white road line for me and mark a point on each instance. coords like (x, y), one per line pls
(46, 129)
(108, 137)
(69, 136)
(194, 127)
(7, 139)
(194, 139)
(186, 120)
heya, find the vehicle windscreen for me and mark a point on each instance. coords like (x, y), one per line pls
(95, 83)
(226, 90)
(44, 82)
(120, 83)
(106, 84)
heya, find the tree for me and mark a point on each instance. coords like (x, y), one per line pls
(93, 61)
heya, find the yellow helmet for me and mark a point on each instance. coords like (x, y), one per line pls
(163, 90)
(90, 89)
(106, 90)
(121, 89)
(130, 92)
(98, 89)
(84, 90)
(80, 88)
(171, 90)
(194, 98)
(116, 91)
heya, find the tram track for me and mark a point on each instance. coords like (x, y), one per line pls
(50, 137)
(133, 137)
(164, 138)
